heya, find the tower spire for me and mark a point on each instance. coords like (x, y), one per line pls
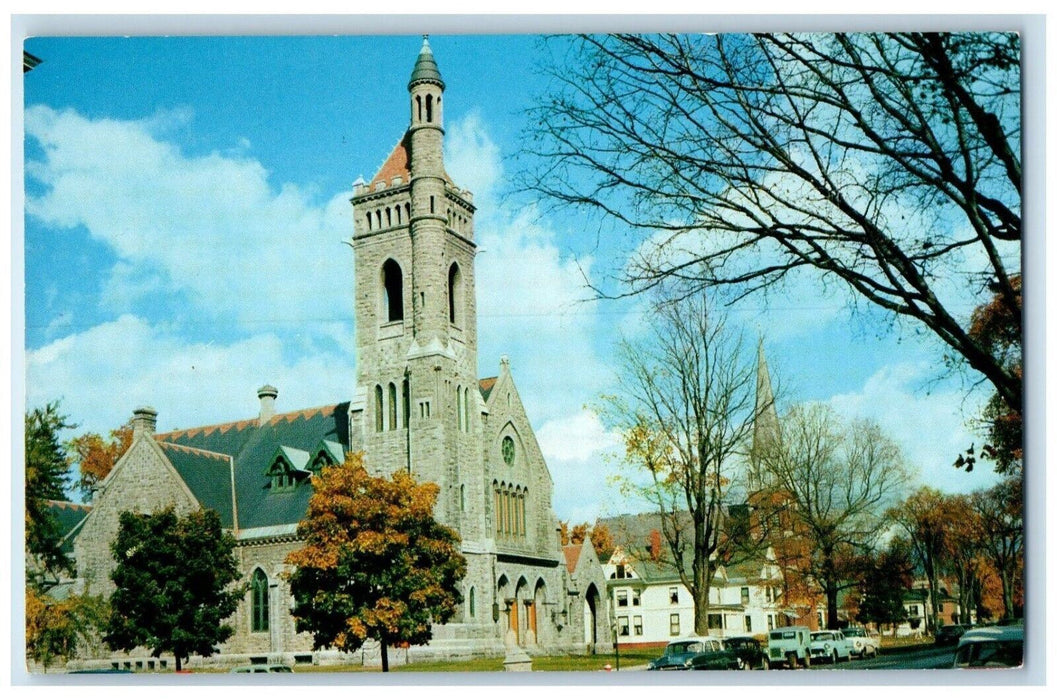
(765, 427)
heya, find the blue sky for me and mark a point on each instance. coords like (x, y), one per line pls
(186, 200)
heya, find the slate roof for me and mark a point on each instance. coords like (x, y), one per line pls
(69, 516)
(398, 163)
(201, 455)
(486, 385)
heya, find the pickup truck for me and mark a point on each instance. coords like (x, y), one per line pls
(862, 643)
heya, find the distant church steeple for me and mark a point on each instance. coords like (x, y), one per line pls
(765, 427)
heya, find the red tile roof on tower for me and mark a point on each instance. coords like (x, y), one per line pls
(397, 164)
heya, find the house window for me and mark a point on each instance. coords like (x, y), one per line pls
(635, 598)
(423, 409)
(622, 625)
(819, 616)
(673, 624)
(768, 594)
(715, 622)
(914, 610)
(744, 595)
(620, 571)
(673, 595)
(638, 625)
(748, 623)
(259, 602)
(622, 599)
(770, 622)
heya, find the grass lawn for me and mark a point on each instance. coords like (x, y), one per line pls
(631, 657)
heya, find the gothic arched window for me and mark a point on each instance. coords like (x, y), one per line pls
(393, 289)
(473, 604)
(259, 602)
(379, 409)
(454, 293)
(429, 108)
(392, 406)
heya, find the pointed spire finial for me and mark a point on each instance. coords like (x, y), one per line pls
(425, 66)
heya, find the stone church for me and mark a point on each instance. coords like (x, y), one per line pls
(418, 405)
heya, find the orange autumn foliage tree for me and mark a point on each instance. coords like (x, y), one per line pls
(95, 456)
(375, 564)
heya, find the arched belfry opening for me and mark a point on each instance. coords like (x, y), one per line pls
(454, 294)
(393, 290)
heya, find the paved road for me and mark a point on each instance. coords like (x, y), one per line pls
(940, 657)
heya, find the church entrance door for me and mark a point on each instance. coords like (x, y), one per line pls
(515, 626)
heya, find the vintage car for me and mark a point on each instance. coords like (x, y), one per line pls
(749, 651)
(789, 646)
(949, 635)
(862, 643)
(991, 647)
(696, 653)
(829, 646)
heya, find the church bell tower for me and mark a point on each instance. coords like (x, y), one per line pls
(416, 321)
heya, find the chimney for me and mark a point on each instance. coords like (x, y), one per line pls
(144, 420)
(655, 545)
(267, 394)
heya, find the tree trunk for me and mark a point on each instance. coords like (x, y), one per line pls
(700, 595)
(831, 607)
(1007, 595)
(385, 656)
(179, 667)
(934, 602)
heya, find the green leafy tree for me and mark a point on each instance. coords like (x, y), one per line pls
(174, 579)
(375, 564)
(46, 480)
(883, 580)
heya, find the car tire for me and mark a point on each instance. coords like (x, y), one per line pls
(765, 665)
(833, 659)
(807, 661)
(741, 664)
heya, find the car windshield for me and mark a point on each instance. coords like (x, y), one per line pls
(854, 632)
(821, 636)
(683, 647)
(783, 635)
(741, 643)
(1002, 654)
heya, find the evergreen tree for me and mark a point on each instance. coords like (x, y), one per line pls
(46, 480)
(174, 581)
(375, 564)
(883, 581)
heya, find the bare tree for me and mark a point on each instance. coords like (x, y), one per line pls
(836, 480)
(1001, 511)
(686, 406)
(890, 162)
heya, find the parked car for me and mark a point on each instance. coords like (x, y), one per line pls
(262, 668)
(697, 653)
(862, 644)
(789, 646)
(829, 645)
(749, 651)
(991, 647)
(950, 634)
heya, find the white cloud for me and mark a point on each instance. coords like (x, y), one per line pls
(581, 454)
(210, 225)
(103, 373)
(533, 303)
(931, 427)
